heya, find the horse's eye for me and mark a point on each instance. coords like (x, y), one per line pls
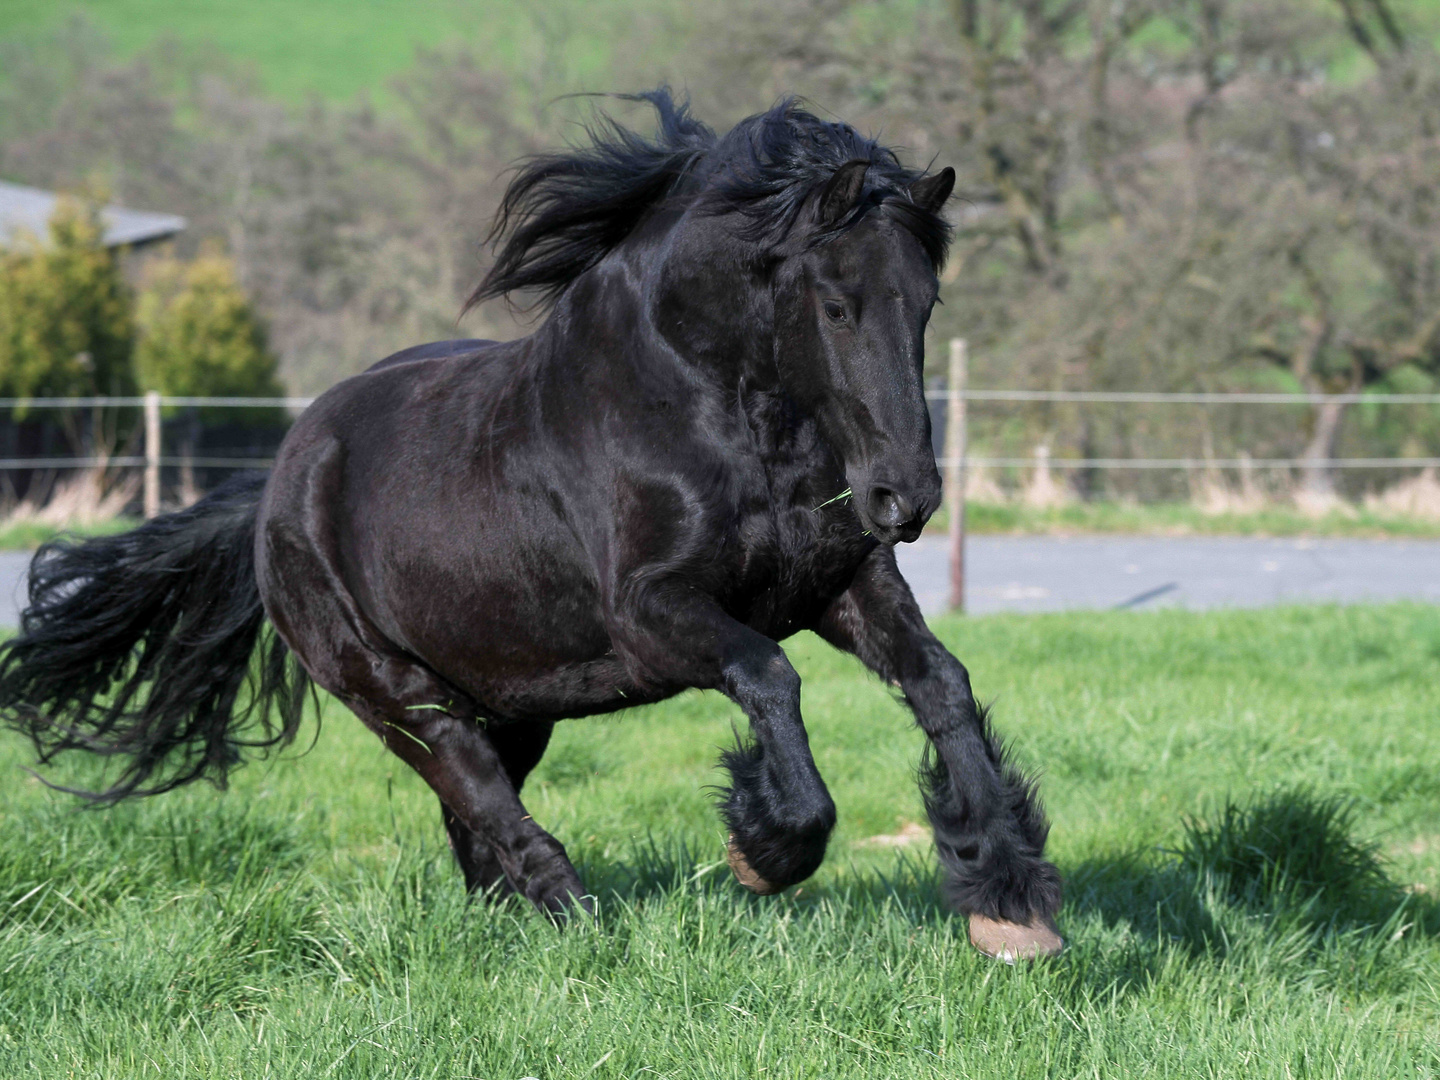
(835, 310)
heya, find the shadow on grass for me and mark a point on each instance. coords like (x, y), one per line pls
(1281, 880)
(656, 869)
(1282, 876)
(1288, 852)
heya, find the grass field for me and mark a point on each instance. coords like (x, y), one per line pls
(29, 535)
(308, 923)
(987, 519)
(1014, 519)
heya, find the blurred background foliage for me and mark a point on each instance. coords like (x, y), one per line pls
(1155, 194)
(67, 323)
(199, 336)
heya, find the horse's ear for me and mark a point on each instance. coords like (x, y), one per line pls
(842, 192)
(930, 192)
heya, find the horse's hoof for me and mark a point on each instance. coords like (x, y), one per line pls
(745, 874)
(1010, 941)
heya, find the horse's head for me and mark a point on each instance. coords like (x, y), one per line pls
(851, 298)
(845, 239)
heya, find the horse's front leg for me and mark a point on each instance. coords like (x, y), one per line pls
(777, 807)
(989, 827)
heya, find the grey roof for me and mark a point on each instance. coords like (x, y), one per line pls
(28, 210)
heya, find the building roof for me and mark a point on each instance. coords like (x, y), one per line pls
(28, 210)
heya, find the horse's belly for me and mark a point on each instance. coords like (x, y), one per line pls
(521, 645)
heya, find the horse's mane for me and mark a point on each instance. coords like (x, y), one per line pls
(563, 212)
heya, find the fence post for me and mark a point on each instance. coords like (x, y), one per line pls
(152, 454)
(955, 450)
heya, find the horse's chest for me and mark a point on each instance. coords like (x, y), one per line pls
(792, 564)
(796, 540)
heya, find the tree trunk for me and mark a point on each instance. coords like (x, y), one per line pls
(1317, 477)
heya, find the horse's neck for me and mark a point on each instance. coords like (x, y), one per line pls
(706, 304)
(664, 301)
(715, 354)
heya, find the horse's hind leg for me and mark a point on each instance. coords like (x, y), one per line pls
(422, 719)
(457, 758)
(520, 747)
(435, 731)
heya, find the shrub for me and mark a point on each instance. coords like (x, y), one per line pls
(199, 335)
(66, 326)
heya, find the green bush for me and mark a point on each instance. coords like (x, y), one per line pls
(199, 335)
(1288, 845)
(66, 322)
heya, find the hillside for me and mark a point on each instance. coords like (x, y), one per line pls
(335, 48)
(340, 48)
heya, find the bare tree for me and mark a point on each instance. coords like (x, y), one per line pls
(1360, 236)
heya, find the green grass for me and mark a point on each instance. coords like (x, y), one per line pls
(1222, 785)
(1180, 519)
(29, 535)
(1156, 519)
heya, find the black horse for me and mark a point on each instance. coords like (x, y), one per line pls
(713, 441)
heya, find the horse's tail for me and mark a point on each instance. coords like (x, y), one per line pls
(142, 647)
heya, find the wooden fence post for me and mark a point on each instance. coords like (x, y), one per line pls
(955, 450)
(152, 454)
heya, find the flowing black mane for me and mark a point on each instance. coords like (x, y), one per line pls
(563, 212)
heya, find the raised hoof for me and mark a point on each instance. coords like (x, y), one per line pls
(746, 875)
(1010, 941)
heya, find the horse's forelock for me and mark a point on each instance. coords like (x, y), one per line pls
(779, 159)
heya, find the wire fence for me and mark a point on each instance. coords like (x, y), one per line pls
(162, 400)
(1145, 397)
(1121, 397)
(153, 455)
(1196, 463)
(954, 458)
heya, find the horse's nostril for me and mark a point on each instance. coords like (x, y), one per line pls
(889, 509)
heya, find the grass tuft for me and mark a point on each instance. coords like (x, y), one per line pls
(1290, 845)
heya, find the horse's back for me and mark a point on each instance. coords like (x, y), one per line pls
(418, 492)
(434, 350)
(423, 435)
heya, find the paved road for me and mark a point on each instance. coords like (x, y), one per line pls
(12, 585)
(1047, 573)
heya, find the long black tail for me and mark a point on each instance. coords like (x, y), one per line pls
(142, 646)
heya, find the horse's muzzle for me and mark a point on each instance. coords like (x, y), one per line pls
(895, 515)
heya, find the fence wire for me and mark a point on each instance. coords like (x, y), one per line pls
(1193, 463)
(1142, 397)
(298, 404)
